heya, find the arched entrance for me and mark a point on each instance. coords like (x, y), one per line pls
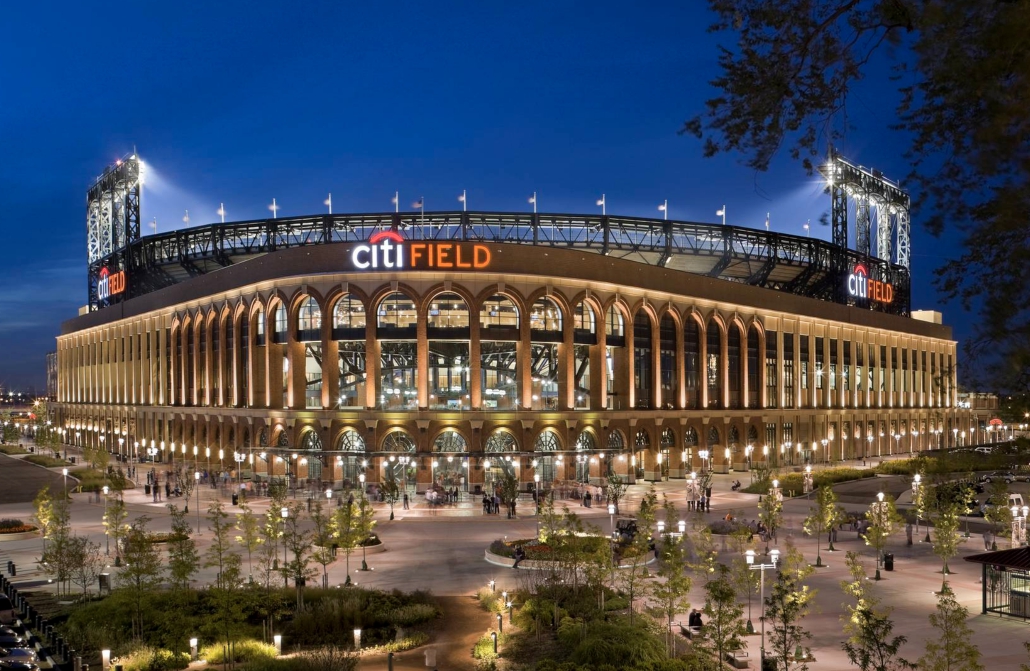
(642, 443)
(545, 445)
(450, 461)
(399, 452)
(352, 457)
(499, 448)
(311, 458)
(585, 446)
(666, 443)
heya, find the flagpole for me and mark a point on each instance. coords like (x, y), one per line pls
(221, 211)
(766, 221)
(329, 201)
(396, 202)
(533, 200)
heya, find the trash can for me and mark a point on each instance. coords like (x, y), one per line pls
(236, 499)
(71, 460)
(888, 561)
(146, 488)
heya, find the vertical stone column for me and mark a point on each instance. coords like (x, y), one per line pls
(599, 370)
(423, 361)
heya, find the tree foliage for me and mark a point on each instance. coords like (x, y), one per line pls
(724, 631)
(962, 73)
(785, 608)
(183, 557)
(952, 648)
(141, 573)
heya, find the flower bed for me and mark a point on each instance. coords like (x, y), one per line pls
(15, 526)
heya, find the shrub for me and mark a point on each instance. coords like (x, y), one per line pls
(793, 484)
(43, 460)
(242, 651)
(10, 523)
(12, 449)
(146, 658)
(599, 642)
(489, 600)
(407, 643)
(412, 614)
(484, 647)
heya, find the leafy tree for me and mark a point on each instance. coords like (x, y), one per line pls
(86, 562)
(250, 536)
(770, 514)
(549, 520)
(185, 481)
(859, 589)
(633, 578)
(43, 506)
(945, 534)
(724, 631)
(391, 491)
(183, 557)
(221, 527)
(871, 647)
(785, 608)
(823, 518)
(952, 649)
(56, 557)
(672, 588)
(615, 489)
(997, 512)
(962, 75)
(10, 429)
(298, 542)
(141, 573)
(366, 523)
(883, 520)
(509, 491)
(322, 536)
(114, 522)
(745, 582)
(221, 555)
(705, 555)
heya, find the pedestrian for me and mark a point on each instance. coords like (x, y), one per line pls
(708, 504)
(701, 507)
(168, 490)
(406, 501)
(987, 540)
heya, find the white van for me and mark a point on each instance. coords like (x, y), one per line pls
(1015, 500)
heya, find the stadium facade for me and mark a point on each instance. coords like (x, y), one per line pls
(455, 347)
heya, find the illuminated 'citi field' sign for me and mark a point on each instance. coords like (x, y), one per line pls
(387, 249)
(860, 285)
(109, 285)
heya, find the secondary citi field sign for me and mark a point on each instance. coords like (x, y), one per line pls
(389, 250)
(860, 285)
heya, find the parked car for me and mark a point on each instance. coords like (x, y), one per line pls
(12, 665)
(1006, 476)
(7, 614)
(14, 641)
(18, 654)
(984, 449)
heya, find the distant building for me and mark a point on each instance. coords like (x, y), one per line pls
(51, 375)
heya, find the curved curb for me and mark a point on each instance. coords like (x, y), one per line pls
(540, 565)
(370, 550)
(20, 536)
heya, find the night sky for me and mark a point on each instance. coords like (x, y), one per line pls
(242, 102)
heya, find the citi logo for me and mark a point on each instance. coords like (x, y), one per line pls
(860, 285)
(110, 285)
(387, 249)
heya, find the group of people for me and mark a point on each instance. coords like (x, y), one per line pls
(439, 497)
(701, 504)
(694, 620)
(492, 505)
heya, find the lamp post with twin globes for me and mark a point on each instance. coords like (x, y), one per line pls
(749, 557)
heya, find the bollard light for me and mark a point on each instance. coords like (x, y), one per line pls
(357, 639)
(105, 659)
(193, 649)
(277, 640)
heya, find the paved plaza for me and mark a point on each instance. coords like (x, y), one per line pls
(443, 550)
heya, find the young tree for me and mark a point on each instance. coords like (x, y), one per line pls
(794, 563)
(509, 489)
(141, 573)
(366, 523)
(346, 531)
(724, 631)
(634, 576)
(86, 562)
(114, 522)
(615, 489)
(770, 514)
(952, 648)
(945, 534)
(322, 536)
(745, 582)
(883, 520)
(869, 645)
(250, 536)
(391, 491)
(824, 518)
(672, 588)
(43, 506)
(218, 552)
(996, 511)
(549, 520)
(185, 481)
(785, 608)
(55, 556)
(298, 542)
(787, 70)
(183, 557)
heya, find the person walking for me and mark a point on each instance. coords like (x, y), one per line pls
(405, 501)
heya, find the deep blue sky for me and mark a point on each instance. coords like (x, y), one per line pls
(242, 102)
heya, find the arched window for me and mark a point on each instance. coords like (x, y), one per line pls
(585, 442)
(753, 367)
(714, 365)
(690, 437)
(713, 436)
(668, 438)
(642, 362)
(284, 439)
(545, 316)
(499, 312)
(348, 318)
(448, 311)
(584, 322)
(450, 441)
(310, 442)
(734, 437)
(396, 311)
(546, 441)
(500, 441)
(259, 327)
(733, 359)
(279, 324)
(615, 441)
(398, 441)
(309, 321)
(614, 324)
(643, 441)
(667, 360)
(351, 441)
(752, 434)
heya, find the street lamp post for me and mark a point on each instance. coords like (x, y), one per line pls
(749, 556)
(912, 440)
(878, 508)
(536, 495)
(826, 455)
(917, 484)
(611, 519)
(107, 524)
(196, 486)
(285, 513)
(807, 480)
(64, 472)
